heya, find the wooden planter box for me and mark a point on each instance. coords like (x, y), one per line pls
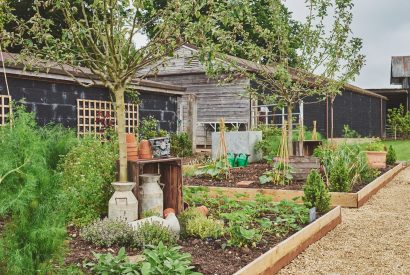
(283, 253)
(352, 200)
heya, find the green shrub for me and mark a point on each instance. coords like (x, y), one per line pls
(374, 146)
(86, 175)
(108, 232)
(202, 227)
(109, 264)
(164, 260)
(339, 178)
(30, 197)
(269, 145)
(185, 216)
(315, 193)
(149, 128)
(152, 234)
(349, 133)
(181, 145)
(391, 157)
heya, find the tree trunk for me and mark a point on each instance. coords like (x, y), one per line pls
(290, 128)
(331, 119)
(120, 112)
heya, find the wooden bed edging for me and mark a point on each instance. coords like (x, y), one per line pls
(283, 253)
(350, 200)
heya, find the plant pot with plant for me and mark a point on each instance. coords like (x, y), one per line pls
(376, 155)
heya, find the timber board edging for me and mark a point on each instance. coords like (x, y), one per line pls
(283, 253)
(344, 199)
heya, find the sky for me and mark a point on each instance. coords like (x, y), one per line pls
(384, 26)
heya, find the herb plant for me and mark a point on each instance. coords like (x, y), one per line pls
(110, 264)
(152, 234)
(315, 193)
(108, 232)
(391, 157)
(204, 227)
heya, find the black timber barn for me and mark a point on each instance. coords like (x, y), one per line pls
(56, 98)
(362, 110)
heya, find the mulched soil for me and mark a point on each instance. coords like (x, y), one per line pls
(249, 173)
(208, 256)
(80, 250)
(252, 173)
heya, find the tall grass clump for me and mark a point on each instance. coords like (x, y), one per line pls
(30, 198)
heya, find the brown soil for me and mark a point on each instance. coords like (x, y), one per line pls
(252, 173)
(80, 250)
(249, 173)
(374, 239)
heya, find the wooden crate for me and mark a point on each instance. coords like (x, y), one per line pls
(170, 170)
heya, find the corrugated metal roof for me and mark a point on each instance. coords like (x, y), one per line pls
(400, 69)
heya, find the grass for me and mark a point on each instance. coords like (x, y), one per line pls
(402, 148)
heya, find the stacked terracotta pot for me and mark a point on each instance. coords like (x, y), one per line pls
(132, 148)
(145, 150)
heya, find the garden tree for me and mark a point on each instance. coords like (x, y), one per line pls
(99, 42)
(24, 10)
(223, 23)
(327, 57)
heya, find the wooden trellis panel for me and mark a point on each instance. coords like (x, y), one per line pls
(5, 104)
(95, 116)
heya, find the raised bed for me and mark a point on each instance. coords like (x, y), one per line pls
(283, 253)
(351, 200)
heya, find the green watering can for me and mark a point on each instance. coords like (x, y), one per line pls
(242, 160)
(232, 159)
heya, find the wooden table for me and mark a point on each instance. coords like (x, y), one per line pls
(170, 170)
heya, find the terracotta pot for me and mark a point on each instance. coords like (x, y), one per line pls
(203, 210)
(167, 211)
(130, 138)
(376, 159)
(145, 151)
(132, 145)
(132, 158)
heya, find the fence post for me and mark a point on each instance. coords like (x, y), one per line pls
(192, 119)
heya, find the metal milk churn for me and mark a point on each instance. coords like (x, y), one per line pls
(151, 195)
(123, 204)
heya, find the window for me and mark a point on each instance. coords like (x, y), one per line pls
(95, 116)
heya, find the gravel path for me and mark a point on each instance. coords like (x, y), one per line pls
(374, 239)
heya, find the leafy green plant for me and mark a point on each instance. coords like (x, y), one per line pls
(315, 193)
(149, 128)
(349, 133)
(152, 234)
(374, 146)
(339, 178)
(269, 145)
(181, 145)
(164, 260)
(30, 199)
(281, 174)
(391, 157)
(108, 232)
(242, 236)
(214, 169)
(344, 165)
(203, 227)
(110, 264)
(86, 175)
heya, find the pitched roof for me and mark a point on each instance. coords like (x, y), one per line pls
(58, 72)
(255, 67)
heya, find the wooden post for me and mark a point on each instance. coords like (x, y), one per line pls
(192, 119)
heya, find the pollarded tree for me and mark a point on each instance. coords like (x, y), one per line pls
(99, 39)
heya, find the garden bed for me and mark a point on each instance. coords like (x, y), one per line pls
(354, 200)
(268, 258)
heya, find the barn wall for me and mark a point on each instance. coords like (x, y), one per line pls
(214, 101)
(57, 102)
